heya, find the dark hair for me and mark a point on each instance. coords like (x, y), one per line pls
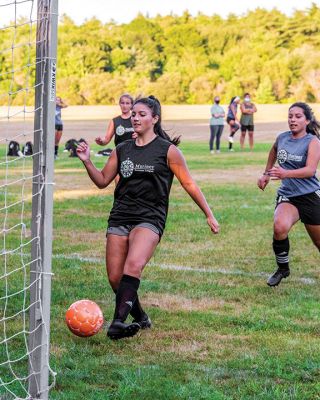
(154, 104)
(246, 94)
(126, 95)
(314, 126)
(233, 99)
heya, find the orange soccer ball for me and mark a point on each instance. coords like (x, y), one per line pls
(84, 318)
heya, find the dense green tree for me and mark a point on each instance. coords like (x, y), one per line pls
(180, 59)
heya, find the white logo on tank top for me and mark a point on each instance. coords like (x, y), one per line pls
(284, 156)
(126, 168)
(120, 130)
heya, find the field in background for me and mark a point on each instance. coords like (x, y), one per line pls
(219, 332)
(190, 130)
(265, 113)
(189, 121)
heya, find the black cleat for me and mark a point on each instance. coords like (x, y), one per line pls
(144, 323)
(119, 330)
(276, 278)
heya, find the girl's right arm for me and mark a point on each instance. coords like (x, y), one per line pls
(100, 178)
(109, 135)
(272, 158)
(178, 166)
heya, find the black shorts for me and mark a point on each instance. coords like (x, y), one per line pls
(308, 206)
(59, 127)
(249, 128)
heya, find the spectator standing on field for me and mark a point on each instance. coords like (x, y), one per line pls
(232, 119)
(60, 104)
(216, 125)
(247, 110)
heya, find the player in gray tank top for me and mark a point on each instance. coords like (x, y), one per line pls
(298, 154)
(133, 238)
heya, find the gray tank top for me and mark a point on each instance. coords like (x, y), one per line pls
(292, 154)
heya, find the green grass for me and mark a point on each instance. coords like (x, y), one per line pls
(219, 332)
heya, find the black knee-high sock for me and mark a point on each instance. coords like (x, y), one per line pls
(281, 250)
(126, 296)
(137, 312)
(230, 146)
(56, 148)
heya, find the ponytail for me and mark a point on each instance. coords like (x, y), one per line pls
(314, 125)
(154, 104)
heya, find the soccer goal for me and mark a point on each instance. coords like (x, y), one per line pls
(28, 41)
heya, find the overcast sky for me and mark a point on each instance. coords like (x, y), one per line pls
(126, 10)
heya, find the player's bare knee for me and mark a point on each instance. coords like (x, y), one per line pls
(280, 230)
(133, 267)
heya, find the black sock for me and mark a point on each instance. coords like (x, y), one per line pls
(230, 146)
(137, 312)
(126, 296)
(56, 150)
(281, 251)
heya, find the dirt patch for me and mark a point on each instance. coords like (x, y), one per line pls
(76, 194)
(76, 186)
(249, 174)
(179, 303)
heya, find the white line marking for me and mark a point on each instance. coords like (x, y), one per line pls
(173, 267)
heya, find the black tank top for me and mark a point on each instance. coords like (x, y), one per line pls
(142, 193)
(122, 129)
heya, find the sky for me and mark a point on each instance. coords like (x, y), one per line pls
(123, 11)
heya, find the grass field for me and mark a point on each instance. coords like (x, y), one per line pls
(219, 332)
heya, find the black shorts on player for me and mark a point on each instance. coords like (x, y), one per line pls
(58, 127)
(308, 206)
(245, 128)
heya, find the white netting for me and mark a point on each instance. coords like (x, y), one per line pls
(18, 21)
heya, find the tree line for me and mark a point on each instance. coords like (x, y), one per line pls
(179, 59)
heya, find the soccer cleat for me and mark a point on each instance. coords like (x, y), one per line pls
(119, 330)
(144, 323)
(230, 138)
(276, 278)
(211, 151)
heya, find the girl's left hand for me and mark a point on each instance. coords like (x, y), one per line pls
(278, 173)
(214, 224)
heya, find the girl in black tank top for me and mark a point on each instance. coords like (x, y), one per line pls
(119, 127)
(146, 167)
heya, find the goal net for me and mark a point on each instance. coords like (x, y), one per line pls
(27, 102)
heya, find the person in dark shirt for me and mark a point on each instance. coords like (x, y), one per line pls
(247, 110)
(298, 154)
(119, 127)
(146, 166)
(232, 119)
(60, 104)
